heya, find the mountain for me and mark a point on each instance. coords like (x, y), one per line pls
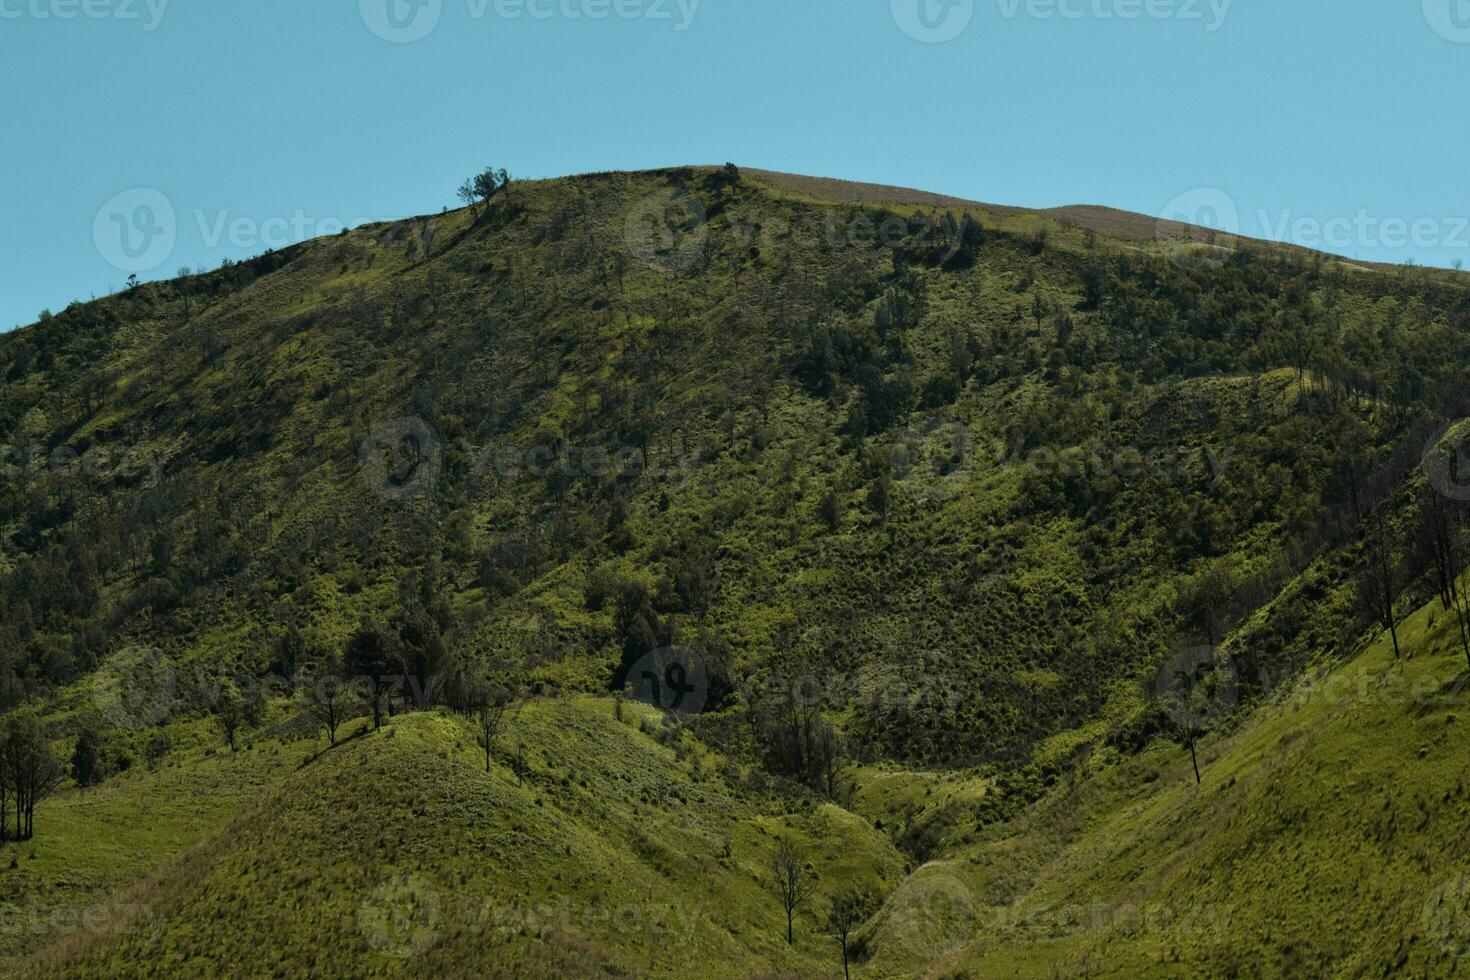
(915, 513)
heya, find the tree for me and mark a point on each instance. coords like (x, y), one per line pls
(637, 626)
(1443, 538)
(488, 183)
(468, 195)
(158, 747)
(4, 783)
(229, 711)
(371, 655)
(290, 650)
(1298, 336)
(849, 910)
(327, 697)
(1381, 580)
(89, 757)
(519, 764)
(799, 742)
(1193, 689)
(829, 509)
(489, 707)
(1188, 735)
(794, 881)
(31, 768)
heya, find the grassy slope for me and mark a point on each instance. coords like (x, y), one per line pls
(101, 840)
(1315, 846)
(619, 856)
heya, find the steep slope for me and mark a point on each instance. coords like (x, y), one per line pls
(988, 458)
(1328, 839)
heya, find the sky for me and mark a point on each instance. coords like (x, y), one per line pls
(144, 136)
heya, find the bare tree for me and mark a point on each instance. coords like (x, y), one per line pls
(1442, 536)
(4, 783)
(849, 910)
(466, 193)
(794, 881)
(328, 697)
(489, 706)
(829, 755)
(1193, 691)
(230, 713)
(1381, 579)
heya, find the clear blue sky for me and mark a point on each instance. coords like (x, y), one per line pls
(298, 111)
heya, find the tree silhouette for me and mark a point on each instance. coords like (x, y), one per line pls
(794, 881)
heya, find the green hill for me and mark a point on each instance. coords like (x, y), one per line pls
(966, 478)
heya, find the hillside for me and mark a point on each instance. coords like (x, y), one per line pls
(965, 477)
(1327, 839)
